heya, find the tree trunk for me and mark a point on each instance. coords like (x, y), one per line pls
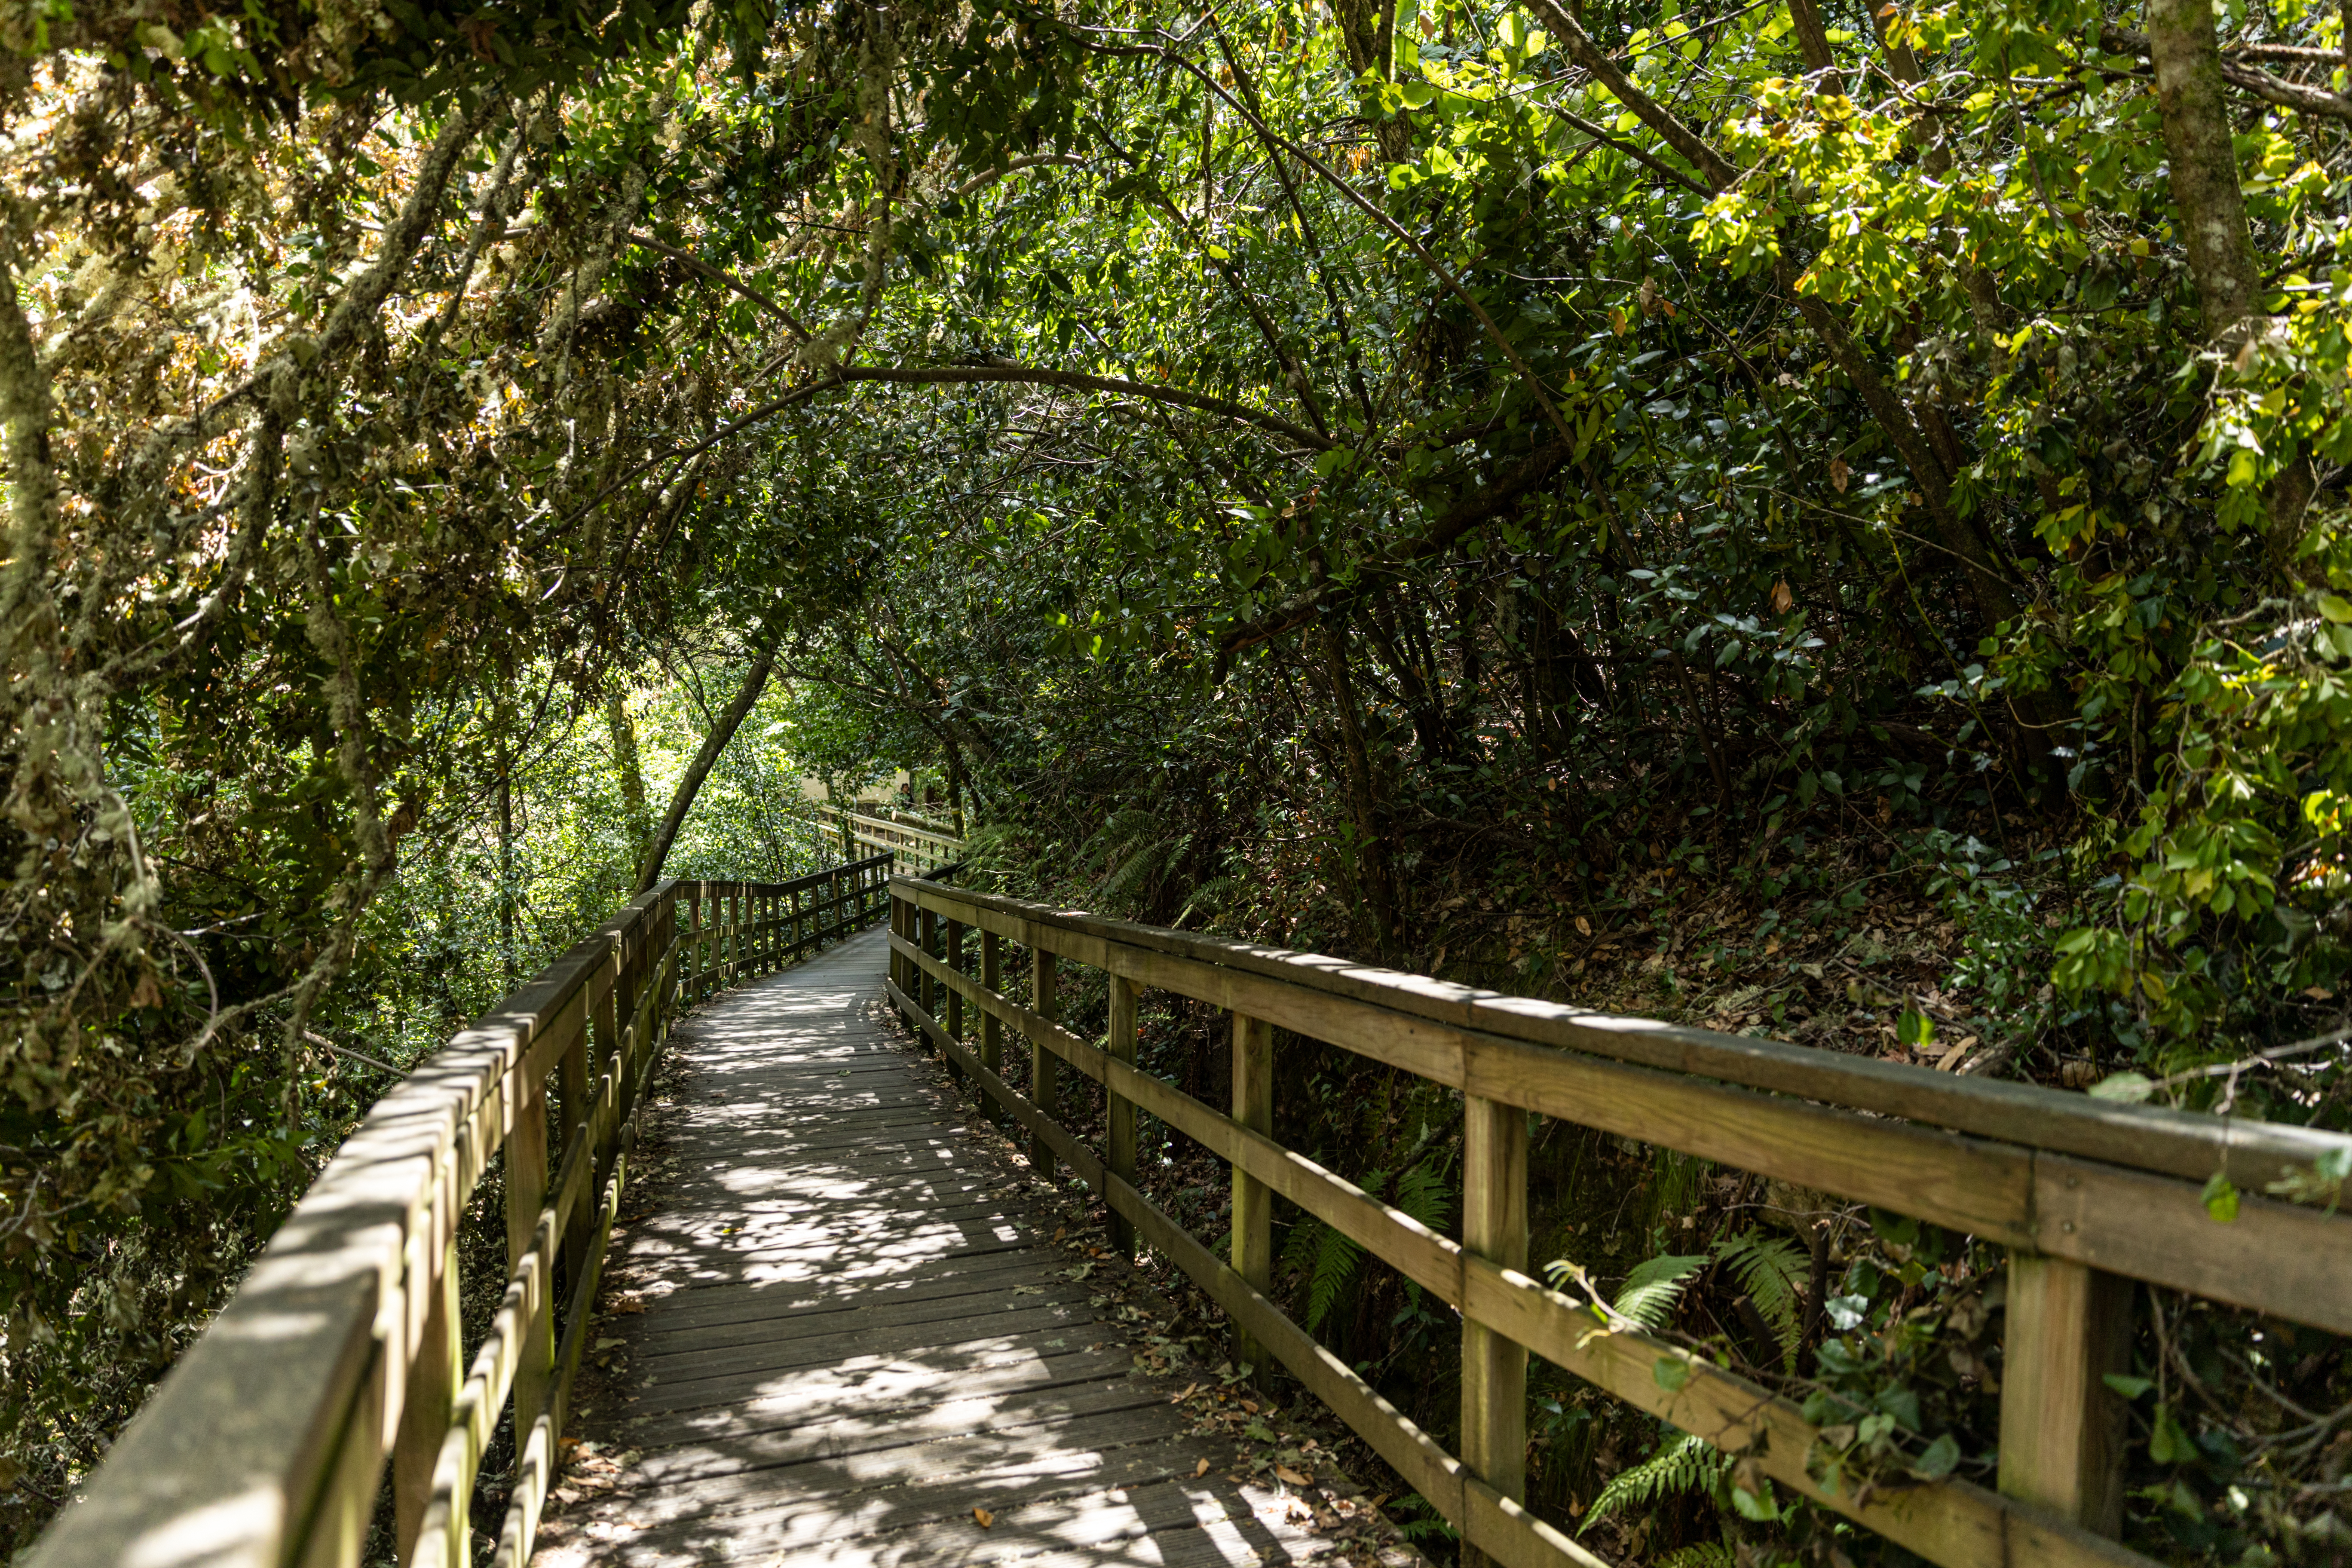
(2204, 165)
(722, 729)
(631, 770)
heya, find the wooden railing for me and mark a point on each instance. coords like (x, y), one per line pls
(2087, 1195)
(919, 850)
(266, 1445)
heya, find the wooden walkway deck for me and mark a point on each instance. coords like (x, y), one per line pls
(858, 1331)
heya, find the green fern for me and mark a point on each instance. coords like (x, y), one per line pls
(1705, 1554)
(1421, 1193)
(1685, 1464)
(1335, 1265)
(1770, 1270)
(1328, 1260)
(1651, 1291)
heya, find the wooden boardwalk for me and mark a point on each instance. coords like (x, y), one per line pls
(858, 1331)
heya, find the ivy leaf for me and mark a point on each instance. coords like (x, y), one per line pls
(2221, 1198)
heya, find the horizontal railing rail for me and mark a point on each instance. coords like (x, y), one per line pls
(918, 850)
(2087, 1195)
(266, 1445)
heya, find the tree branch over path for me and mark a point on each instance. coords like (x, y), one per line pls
(722, 729)
(1301, 608)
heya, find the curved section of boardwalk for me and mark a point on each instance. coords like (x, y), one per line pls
(855, 1335)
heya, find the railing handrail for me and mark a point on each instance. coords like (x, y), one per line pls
(885, 825)
(265, 1444)
(2087, 1195)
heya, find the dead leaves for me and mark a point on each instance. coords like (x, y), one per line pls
(982, 1518)
(1199, 1469)
(1839, 474)
(1293, 1477)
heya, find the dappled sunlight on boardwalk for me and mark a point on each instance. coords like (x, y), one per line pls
(855, 1335)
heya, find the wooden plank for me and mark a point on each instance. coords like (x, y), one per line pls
(1253, 1200)
(2066, 1326)
(1494, 1365)
(2275, 1258)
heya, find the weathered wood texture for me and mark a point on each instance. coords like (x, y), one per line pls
(2089, 1195)
(268, 1443)
(854, 1334)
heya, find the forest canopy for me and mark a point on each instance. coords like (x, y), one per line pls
(1825, 520)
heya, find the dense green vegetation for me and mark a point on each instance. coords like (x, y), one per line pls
(1822, 520)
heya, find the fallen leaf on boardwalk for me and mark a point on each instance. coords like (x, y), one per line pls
(1190, 1390)
(982, 1518)
(1201, 1469)
(1295, 1478)
(1028, 1289)
(608, 1344)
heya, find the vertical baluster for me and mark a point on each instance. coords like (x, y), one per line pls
(432, 1380)
(1252, 1199)
(526, 1158)
(1494, 1369)
(576, 1072)
(992, 1027)
(2061, 1429)
(954, 942)
(1120, 1137)
(1045, 1066)
(928, 941)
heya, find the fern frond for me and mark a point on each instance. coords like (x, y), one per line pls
(1705, 1554)
(1421, 1193)
(1335, 1265)
(1684, 1464)
(1651, 1291)
(1770, 1270)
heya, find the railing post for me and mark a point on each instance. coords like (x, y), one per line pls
(432, 1382)
(1494, 1369)
(1045, 1066)
(526, 1182)
(1120, 1136)
(576, 1073)
(992, 1027)
(1252, 1217)
(2061, 1429)
(954, 997)
(928, 942)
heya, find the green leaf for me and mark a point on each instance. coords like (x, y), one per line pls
(2123, 1088)
(1937, 1462)
(2335, 608)
(2221, 1197)
(1670, 1373)
(1914, 1028)
(2129, 1387)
